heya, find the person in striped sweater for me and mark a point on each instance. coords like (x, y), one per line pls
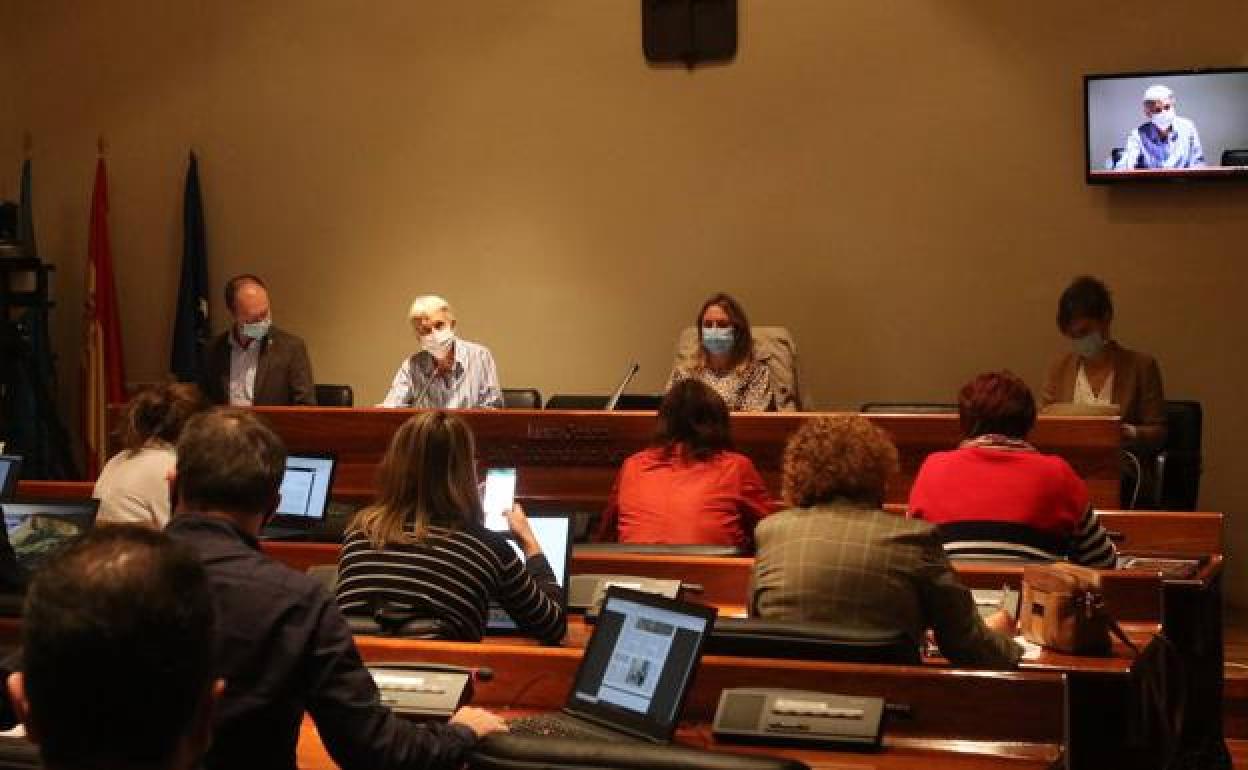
(996, 496)
(423, 546)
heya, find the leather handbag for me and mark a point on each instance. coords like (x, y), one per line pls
(1064, 609)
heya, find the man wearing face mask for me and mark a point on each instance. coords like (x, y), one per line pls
(447, 372)
(1099, 371)
(1165, 140)
(254, 363)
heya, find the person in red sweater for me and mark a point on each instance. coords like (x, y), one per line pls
(996, 496)
(689, 487)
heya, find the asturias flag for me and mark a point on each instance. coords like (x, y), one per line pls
(103, 372)
(190, 327)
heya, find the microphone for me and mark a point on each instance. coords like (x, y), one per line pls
(615, 397)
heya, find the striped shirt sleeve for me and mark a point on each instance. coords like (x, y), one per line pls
(1090, 545)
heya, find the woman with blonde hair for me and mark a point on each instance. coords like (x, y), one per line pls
(133, 486)
(424, 546)
(836, 556)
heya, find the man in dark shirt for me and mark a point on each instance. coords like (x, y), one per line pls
(117, 655)
(284, 646)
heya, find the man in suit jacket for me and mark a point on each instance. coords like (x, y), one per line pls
(254, 363)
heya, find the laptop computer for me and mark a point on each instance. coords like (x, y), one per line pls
(38, 528)
(10, 472)
(554, 533)
(637, 671)
(304, 496)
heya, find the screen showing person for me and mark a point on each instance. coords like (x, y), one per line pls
(305, 486)
(1172, 121)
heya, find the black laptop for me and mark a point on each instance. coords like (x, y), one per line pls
(637, 670)
(10, 472)
(38, 528)
(304, 494)
(554, 533)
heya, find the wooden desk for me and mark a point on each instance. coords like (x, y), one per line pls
(571, 458)
(1171, 532)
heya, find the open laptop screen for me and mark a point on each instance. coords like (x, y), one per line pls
(640, 662)
(10, 470)
(37, 529)
(554, 534)
(305, 488)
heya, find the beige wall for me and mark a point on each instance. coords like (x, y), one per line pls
(899, 183)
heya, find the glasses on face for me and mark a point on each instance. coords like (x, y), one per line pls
(716, 324)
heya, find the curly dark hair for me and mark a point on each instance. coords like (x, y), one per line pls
(694, 417)
(996, 402)
(844, 456)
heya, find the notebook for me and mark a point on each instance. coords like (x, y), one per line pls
(636, 672)
(554, 533)
(304, 495)
(38, 528)
(10, 471)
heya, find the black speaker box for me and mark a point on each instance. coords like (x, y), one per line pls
(689, 31)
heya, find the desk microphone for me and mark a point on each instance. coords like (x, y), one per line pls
(615, 397)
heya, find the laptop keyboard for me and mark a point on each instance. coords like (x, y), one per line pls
(553, 726)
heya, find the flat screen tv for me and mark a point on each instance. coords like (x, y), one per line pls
(1147, 126)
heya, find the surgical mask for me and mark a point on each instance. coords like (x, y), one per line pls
(1089, 345)
(256, 330)
(1163, 119)
(717, 342)
(437, 342)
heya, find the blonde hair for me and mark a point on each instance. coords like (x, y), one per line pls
(425, 306)
(428, 478)
(843, 456)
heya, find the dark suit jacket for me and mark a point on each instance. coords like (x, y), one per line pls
(283, 375)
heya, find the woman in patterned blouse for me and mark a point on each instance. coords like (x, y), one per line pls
(726, 360)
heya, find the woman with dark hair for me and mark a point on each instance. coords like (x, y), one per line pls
(995, 496)
(726, 360)
(423, 545)
(689, 487)
(1100, 372)
(133, 486)
(835, 556)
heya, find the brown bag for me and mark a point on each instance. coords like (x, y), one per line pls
(1064, 609)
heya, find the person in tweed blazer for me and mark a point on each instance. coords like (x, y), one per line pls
(835, 556)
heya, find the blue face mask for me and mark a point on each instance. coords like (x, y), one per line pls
(718, 342)
(1089, 345)
(257, 330)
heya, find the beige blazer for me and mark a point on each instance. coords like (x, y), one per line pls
(1137, 385)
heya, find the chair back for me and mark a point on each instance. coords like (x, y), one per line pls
(907, 407)
(1180, 482)
(755, 638)
(522, 398)
(1235, 157)
(335, 395)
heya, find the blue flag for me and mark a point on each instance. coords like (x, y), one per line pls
(190, 327)
(26, 215)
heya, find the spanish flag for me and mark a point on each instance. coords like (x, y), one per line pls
(103, 374)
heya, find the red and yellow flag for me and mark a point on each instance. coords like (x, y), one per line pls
(103, 371)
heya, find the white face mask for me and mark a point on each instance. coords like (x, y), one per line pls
(437, 342)
(1163, 119)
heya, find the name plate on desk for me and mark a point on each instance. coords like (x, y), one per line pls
(762, 715)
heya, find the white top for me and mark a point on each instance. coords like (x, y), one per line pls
(1083, 391)
(243, 363)
(133, 488)
(471, 384)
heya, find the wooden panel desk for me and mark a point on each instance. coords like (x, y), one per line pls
(570, 458)
(996, 722)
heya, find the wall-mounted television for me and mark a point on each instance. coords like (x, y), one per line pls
(1147, 126)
